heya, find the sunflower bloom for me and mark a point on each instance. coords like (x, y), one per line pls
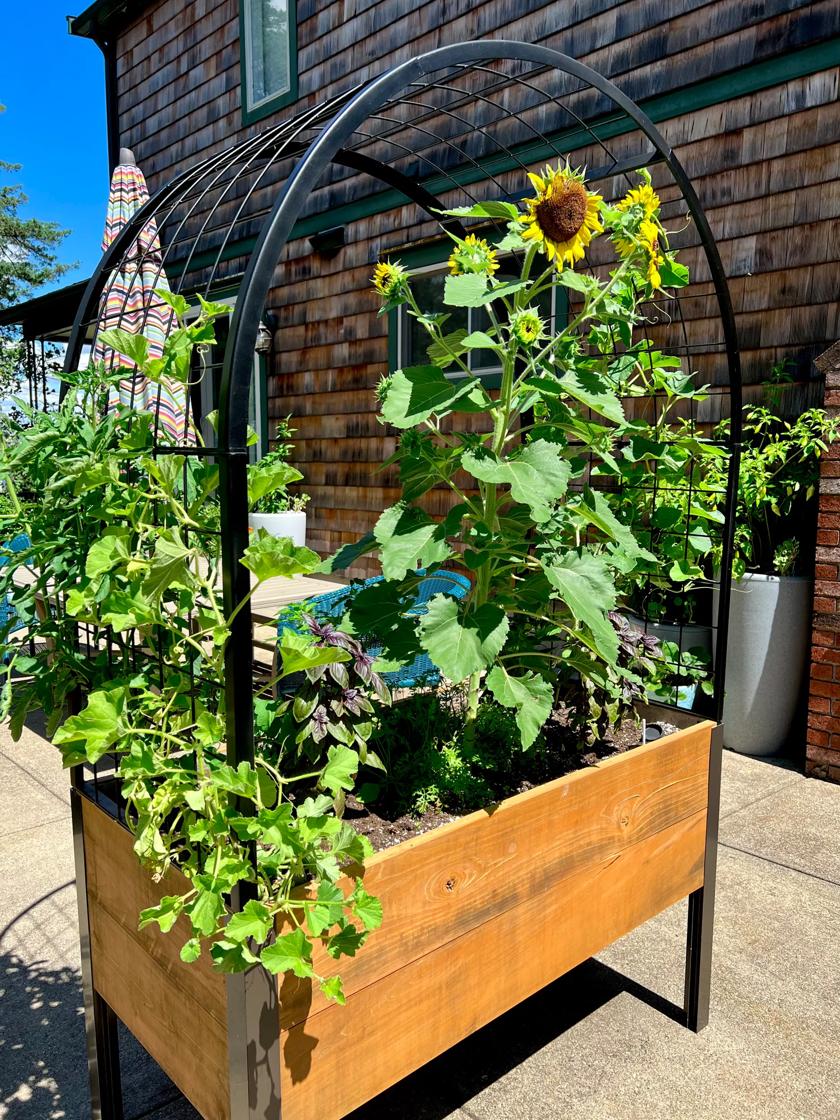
(644, 196)
(388, 278)
(649, 238)
(475, 255)
(563, 217)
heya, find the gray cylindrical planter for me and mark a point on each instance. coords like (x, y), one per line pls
(292, 524)
(768, 643)
(686, 637)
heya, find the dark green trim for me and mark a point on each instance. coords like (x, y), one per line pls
(267, 108)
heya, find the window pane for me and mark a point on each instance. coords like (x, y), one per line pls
(428, 291)
(268, 49)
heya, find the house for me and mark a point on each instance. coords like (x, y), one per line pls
(746, 95)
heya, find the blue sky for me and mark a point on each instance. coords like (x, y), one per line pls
(53, 87)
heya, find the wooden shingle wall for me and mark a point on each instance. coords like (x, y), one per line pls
(766, 166)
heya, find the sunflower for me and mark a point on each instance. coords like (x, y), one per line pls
(388, 278)
(649, 240)
(564, 216)
(527, 327)
(644, 196)
(475, 255)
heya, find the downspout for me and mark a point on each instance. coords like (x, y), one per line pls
(109, 54)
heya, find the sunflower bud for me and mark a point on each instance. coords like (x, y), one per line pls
(473, 255)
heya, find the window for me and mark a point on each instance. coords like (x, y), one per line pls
(268, 49)
(412, 339)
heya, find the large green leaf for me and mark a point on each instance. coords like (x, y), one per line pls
(253, 921)
(468, 290)
(291, 952)
(530, 695)
(268, 478)
(537, 476)
(348, 554)
(591, 391)
(97, 728)
(586, 586)
(272, 556)
(462, 646)
(414, 394)
(338, 774)
(594, 508)
(299, 652)
(407, 535)
(443, 352)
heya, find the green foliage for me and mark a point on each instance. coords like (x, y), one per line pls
(778, 475)
(28, 260)
(270, 477)
(118, 545)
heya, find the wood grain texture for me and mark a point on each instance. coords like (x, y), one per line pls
(439, 886)
(177, 1011)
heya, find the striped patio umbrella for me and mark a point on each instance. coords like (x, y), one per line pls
(130, 301)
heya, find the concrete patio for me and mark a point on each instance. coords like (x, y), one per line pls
(603, 1043)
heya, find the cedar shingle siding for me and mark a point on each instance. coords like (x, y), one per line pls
(765, 162)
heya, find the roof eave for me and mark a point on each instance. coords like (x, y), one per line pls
(102, 19)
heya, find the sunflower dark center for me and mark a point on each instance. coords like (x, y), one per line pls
(561, 216)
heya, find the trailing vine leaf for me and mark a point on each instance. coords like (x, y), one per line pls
(462, 645)
(253, 922)
(338, 774)
(291, 952)
(528, 694)
(99, 726)
(270, 556)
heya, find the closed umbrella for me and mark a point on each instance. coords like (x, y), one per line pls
(130, 302)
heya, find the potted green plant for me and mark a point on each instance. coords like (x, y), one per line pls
(273, 507)
(771, 595)
(255, 868)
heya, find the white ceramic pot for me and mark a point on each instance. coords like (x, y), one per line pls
(768, 643)
(292, 524)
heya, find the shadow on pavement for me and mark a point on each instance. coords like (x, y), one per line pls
(449, 1082)
(43, 1062)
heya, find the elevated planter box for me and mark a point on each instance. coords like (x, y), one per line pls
(479, 915)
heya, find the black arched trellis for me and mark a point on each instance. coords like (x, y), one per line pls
(233, 215)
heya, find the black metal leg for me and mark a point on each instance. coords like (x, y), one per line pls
(104, 1064)
(254, 1045)
(100, 1021)
(701, 906)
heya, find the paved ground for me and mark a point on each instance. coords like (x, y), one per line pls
(598, 1045)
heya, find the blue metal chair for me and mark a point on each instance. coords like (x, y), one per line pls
(10, 620)
(332, 606)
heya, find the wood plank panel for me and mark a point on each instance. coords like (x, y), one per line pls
(176, 1011)
(437, 887)
(417, 1013)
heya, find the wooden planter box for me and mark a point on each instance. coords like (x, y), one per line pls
(479, 915)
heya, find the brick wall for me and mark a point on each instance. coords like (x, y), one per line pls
(823, 741)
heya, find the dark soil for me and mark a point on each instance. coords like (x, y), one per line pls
(385, 833)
